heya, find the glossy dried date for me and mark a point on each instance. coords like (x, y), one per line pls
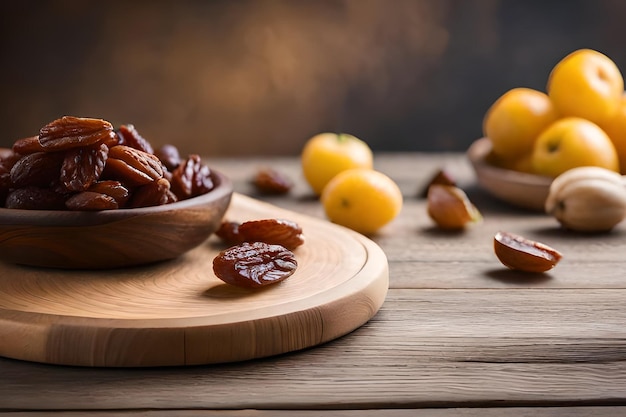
(40, 169)
(229, 233)
(35, 198)
(132, 166)
(273, 231)
(90, 201)
(83, 166)
(191, 178)
(113, 188)
(71, 132)
(169, 156)
(155, 193)
(271, 181)
(28, 145)
(130, 137)
(253, 265)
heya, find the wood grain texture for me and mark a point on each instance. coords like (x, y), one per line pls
(179, 313)
(457, 331)
(427, 412)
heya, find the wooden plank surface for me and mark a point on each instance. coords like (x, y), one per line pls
(457, 330)
(427, 412)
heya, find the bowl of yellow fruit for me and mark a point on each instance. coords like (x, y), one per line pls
(531, 137)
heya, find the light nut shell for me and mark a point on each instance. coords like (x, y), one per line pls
(588, 199)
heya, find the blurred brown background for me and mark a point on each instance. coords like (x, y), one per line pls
(260, 77)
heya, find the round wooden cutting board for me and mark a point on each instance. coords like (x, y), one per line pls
(179, 313)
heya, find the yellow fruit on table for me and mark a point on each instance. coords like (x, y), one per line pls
(327, 154)
(616, 129)
(573, 142)
(362, 199)
(587, 84)
(515, 120)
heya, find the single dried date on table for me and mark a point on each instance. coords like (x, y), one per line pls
(273, 231)
(271, 181)
(282, 232)
(229, 232)
(522, 254)
(253, 265)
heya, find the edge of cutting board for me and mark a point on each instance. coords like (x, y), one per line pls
(109, 319)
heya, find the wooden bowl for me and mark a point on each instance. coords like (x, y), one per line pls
(112, 238)
(520, 189)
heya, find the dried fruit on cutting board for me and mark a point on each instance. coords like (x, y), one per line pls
(282, 232)
(522, 254)
(253, 265)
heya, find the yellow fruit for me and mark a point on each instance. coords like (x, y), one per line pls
(573, 142)
(362, 199)
(515, 120)
(587, 84)
(327, 154)
(616, 129)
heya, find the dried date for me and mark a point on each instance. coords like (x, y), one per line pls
(271, 181)
(35, 198)
(155, 193)
(253, 265)
(28, 145)
(129, 136)
(229, 233)
(6, 163)
(191, 178)
(273, 231)
(40, 169)
(83, 166)
(169, 156)
(132, 166)
(71, 132)
(112, 188)
(90, 201)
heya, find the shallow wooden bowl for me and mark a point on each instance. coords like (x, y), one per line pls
(112, 238)
(520, 189)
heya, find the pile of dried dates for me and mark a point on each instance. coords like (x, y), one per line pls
(80, 163)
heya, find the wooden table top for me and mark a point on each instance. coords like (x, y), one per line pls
(456, 331)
